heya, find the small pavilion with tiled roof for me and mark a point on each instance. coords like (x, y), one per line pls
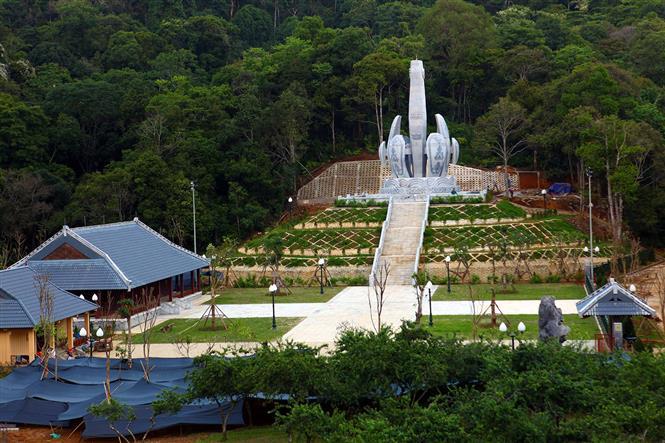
(612, 303)
(20, 312)
(116, 261)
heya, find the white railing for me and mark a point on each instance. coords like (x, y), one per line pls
(423, 225)
(379, 249)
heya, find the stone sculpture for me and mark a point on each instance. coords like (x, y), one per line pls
(550, 321)
(419, 155)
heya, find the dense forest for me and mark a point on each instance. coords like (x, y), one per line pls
(108, 109)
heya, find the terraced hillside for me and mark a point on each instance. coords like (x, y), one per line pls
(475, 234)
(346, 236)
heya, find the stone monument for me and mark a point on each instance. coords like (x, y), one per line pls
(550, 321)
(419, 163)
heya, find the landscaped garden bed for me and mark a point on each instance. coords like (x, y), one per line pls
(299, 294)
(503, 210)
(346, 217)
(461, 326)
(520, 291)
(238, 330)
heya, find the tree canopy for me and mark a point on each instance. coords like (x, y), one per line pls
(110, 109)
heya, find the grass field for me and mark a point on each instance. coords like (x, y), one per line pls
(460, 326)
(239, 329)
(526, 291)
(299, 294)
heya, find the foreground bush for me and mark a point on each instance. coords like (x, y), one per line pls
(410, 386)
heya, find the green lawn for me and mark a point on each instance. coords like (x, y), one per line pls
(234, 296)
(239, 329)
(526, 291)
(258, 434)
(461, 326)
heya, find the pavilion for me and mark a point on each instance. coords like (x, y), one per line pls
(20, 313)
(117, 261)
(609, 304)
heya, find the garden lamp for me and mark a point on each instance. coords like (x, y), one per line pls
(94, 297)
(447, 260)
(273, 289)
(321, 264)
(428, 286)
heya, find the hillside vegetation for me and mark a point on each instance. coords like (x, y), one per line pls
(109, 109)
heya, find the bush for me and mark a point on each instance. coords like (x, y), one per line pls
(475, 279)
(553, 278)
(535, 279)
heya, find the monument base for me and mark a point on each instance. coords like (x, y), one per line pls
(420, 185)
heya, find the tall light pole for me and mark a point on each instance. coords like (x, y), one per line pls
(543, 192)
(589, 174)
(191, 183)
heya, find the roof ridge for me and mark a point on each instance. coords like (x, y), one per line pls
(92, 227)
(166, 240)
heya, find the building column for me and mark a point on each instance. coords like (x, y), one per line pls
(86, 322)
(69, 324)
(198, 279)
(182, 285)
(32, 344)
(170, 288)
(192, 282)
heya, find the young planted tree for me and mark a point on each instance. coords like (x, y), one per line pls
(46, 326)
(149, 302)
(420, 279)
(377, 291)
(125, 310)
(113, 412)
(219, 256)
(273, 246)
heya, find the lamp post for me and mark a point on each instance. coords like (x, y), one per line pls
(321, 263)
(273, 289)
(521, 327)
(99, 333)
(447, 260)
(589, 174)
(94, 297)
(191, 183)
(543, 192)
(428, 286)
(290, 202)
(83, 333)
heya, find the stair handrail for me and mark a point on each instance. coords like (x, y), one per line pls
(423, 224)
(379, 250)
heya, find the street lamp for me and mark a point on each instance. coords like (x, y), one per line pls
(321, 263)
(447, 260)
(94, 297)
(290, 201)
(191, 183)
(589, 174)
(83, 333)
(544, 194)
(81, 297)
(273, 289)
(428, 286)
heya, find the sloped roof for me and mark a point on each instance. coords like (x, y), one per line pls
(19, 300)
(127, 255)
(613, 299)
(91, 274)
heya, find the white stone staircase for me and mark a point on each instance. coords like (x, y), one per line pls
(402, 240)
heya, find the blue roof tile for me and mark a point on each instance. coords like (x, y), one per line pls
(125, 255)
(19, 303)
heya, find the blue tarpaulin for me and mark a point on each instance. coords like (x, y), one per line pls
(27, 399)
(560, 188)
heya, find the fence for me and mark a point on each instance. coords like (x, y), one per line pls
(366, 177)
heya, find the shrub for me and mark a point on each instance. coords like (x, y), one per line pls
(536, 279)
(475, 279)
(553, 278)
